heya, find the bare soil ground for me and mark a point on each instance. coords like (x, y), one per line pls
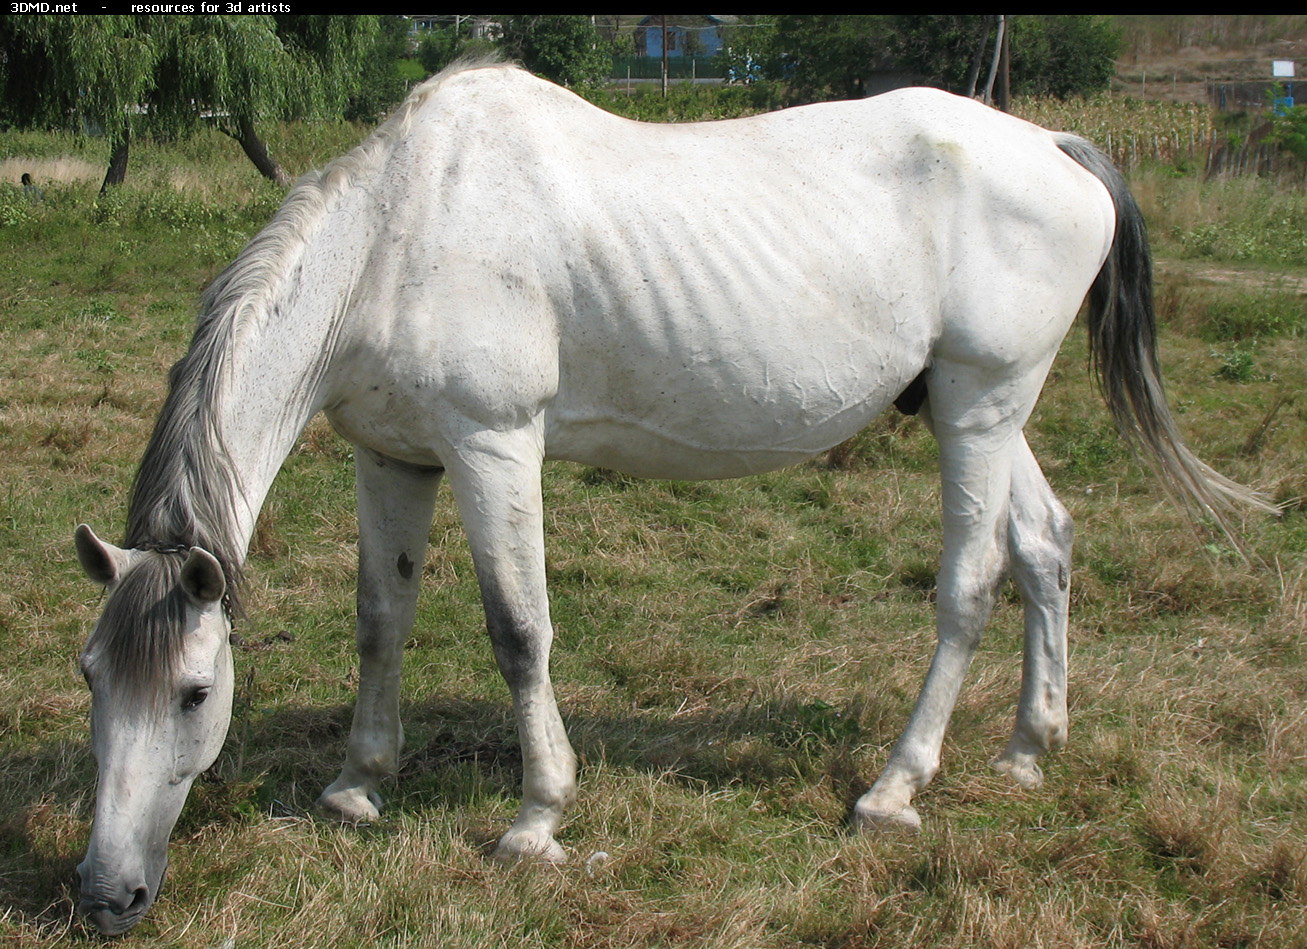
(1185, 75)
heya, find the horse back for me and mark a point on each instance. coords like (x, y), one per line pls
(710, 299)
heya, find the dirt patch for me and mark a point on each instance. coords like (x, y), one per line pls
(1184, 75)
(1250, 279)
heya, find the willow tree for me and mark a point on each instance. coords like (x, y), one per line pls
(167, 74)
(81, 72)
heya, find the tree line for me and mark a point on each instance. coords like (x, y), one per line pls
(126, 76)
(164, 75)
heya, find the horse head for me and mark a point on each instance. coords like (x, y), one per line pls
(159, 667)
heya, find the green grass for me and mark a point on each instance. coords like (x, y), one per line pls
(732, 659)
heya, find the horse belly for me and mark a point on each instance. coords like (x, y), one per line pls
(742, 406)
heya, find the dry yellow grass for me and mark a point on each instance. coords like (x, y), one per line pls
(732, 661)
(46, 170)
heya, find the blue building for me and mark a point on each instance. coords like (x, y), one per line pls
(699, 35)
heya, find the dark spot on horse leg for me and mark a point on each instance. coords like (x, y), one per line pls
(1061, 576)
(516, 643)
(405, 567)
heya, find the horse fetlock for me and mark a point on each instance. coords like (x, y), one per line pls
(1039, 733)
(376, 765)
(549, 787)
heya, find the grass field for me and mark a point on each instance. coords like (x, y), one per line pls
(732, 659)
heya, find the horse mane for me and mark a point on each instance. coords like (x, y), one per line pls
(187, 491)
(139, 634)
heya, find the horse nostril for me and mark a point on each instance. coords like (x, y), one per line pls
(139, 898)
(112, 910)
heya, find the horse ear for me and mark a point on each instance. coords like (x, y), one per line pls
(202, 578)
(104, 563)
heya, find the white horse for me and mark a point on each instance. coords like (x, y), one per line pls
(504, 274)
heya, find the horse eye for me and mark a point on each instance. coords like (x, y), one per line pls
(194, 698)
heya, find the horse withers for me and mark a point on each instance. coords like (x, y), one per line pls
(503, 274)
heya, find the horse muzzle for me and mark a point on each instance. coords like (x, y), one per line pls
(113, 907)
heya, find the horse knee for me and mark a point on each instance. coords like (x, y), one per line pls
(377, 640)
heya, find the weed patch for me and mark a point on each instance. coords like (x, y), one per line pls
(1267, 315)
(1236, 364)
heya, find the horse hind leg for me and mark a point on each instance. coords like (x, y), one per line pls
(977, 439)
(1039, 548)
(998, 513)
(497, 486)
(395, 506)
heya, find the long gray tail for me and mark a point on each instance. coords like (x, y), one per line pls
(1123, 349)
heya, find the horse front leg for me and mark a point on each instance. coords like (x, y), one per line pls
(976, 454)
(497, 485)
(395, 507)
(1039, 545)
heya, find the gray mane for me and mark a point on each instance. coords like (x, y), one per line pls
(187, 490)
(139, 633)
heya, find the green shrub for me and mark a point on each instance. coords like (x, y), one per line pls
(15, 207)
(1248, 316)
(1237, 365)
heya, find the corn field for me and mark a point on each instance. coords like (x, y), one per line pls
(1137, 132)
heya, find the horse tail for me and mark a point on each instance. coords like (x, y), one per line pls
(1123, 352)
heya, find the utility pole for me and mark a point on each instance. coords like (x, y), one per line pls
(664, 19)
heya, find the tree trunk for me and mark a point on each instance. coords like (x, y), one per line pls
(118, 162)
(1005, 73)
(257, 152)
(973, 74)
(993, 66)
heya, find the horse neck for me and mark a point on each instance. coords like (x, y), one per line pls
(299, 274)
(250, 383)
(272, 392)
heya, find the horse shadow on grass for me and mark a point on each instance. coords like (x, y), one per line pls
(458, 752)
(44, 828)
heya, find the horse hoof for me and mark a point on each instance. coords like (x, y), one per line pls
(1021, 768)
(515, 847)
(868, 820)
(349, 805)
